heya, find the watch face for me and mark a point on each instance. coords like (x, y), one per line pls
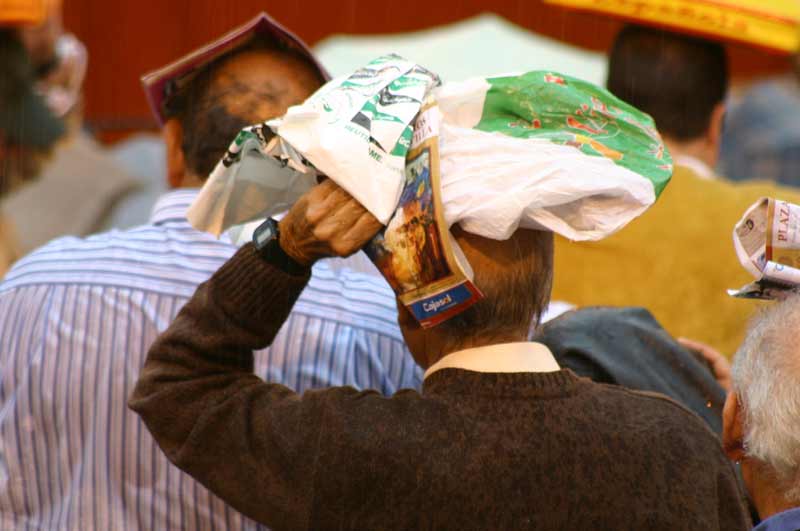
(264, 233)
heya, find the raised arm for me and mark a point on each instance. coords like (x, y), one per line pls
(250, 442)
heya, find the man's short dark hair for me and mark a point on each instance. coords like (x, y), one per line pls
(676, 79)
(515, 298)
(208, 128)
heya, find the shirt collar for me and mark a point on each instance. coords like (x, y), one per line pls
(173, 205)
(784, 521)
(702, 169)
(505, 357)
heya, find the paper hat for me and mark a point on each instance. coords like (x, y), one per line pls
(162, 84)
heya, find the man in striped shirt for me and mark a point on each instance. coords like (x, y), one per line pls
(78, 315)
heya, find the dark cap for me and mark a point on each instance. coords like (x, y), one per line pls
(162, 84)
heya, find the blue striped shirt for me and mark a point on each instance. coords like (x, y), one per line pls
(76, 319)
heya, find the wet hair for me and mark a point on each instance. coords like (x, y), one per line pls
(208, 127)
(515, 295)
(676, 79)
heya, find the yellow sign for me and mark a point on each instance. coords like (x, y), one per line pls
(771, 24)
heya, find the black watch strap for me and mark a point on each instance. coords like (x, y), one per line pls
(266, 240)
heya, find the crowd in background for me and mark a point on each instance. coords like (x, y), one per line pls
(599, 418)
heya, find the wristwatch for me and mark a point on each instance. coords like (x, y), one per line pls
(266, 240)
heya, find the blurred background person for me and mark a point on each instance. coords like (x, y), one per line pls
(28, 132)
(80, 185)
(677, 259)
(59, 60)
(761, 136)
(682, 82)
(633, 351)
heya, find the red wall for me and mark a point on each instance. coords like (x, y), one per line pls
(127, 38)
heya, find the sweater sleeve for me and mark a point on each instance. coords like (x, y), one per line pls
(249, 442)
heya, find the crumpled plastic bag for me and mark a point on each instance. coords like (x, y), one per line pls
(545, 151)
(249, 184)
(564, 191)
(538, 150)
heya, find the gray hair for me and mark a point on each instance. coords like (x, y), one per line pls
(766, 378)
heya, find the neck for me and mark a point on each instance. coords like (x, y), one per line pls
(765, 489)
(438, 347)
(698, 148)
(771, 504)
(186, 180)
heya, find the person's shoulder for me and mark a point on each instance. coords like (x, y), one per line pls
(686, 183)
(635, 399)
(663, 413)
(731, 197)
(155, 258)
(755, 189)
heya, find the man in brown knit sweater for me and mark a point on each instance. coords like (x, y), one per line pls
(500, 438)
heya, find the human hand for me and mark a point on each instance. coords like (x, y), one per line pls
(720, 366)
(326, 221)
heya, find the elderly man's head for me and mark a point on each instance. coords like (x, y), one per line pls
(515, 275)
(762, 414)
(244, 87)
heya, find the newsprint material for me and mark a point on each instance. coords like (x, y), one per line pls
(415, 252)
(767, 242)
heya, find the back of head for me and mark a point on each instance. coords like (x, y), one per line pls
(515, 277)
(245, 87)
(766, 378)
(676, 79)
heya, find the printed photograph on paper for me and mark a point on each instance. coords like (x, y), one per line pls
(410, 252)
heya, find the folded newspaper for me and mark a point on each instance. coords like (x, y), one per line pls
(538, 150)
(767, 242)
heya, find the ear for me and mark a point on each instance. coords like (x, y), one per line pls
(172, 134)
(715, 124)
(733, 428)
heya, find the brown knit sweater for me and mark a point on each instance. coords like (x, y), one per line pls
(473, 451)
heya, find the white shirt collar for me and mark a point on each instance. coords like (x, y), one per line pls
(696, 165)
(506, 357)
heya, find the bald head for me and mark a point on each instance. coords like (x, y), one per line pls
(245, 88)
(256, 85)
